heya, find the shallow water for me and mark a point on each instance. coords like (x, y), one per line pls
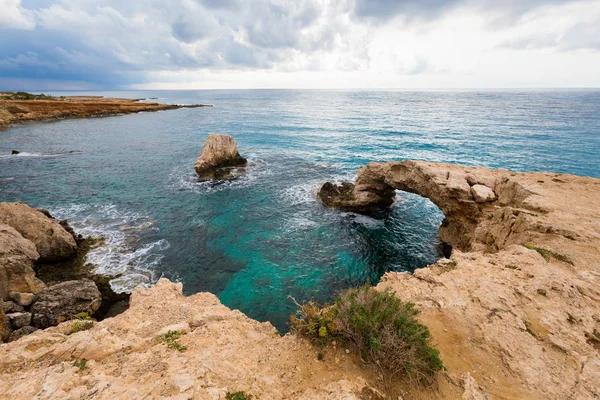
(264, 237)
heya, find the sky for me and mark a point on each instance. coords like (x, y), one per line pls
(318, 44)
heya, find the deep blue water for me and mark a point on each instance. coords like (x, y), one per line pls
(263, 237)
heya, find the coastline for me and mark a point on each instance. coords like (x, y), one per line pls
(48, 109)
(514, 311)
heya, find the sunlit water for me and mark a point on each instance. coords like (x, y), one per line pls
(264, 237)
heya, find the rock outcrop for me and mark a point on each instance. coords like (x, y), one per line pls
(64, 301)
(25, 298)
(225, 351)
(517, 307)
(51, 240)
(17, 256)
(515, 312)
(219, 154)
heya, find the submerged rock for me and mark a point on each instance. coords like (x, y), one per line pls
(219, 154)
(51, 240)
(64, 301)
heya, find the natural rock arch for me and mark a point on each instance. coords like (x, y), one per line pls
(484, 209)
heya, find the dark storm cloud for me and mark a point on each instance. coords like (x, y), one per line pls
(117, 41)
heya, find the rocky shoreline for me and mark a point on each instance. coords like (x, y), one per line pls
(15, 111)
(44, 278)
(514, 311)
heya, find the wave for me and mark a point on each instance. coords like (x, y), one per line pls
(303, 193)
(123, 252)
(185, 179)
(37, 155)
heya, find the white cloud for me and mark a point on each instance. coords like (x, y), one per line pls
(13, 16)
(305, 43)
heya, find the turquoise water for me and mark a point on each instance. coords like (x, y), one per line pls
(264, 237)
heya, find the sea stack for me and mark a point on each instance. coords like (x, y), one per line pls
(218, 157)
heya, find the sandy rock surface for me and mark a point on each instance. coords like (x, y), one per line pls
(225, 352)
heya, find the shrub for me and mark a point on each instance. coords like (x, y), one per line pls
(238, 396)
(170, 338)
(83, 316)
(548, 254)
(80, 326)
(382, 327)
(80, 364)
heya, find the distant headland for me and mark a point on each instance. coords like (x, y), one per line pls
(18, 107)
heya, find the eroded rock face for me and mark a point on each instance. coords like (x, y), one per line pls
(64, 301)
(17, 256)
(218, 155)
(484, 209)
(368, 194)
(51, 240)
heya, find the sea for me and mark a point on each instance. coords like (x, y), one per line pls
(263, 240)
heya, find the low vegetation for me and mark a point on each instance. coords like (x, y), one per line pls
(82, 323)
(81, 364)
(170, 339)
(382, 328)
(548, 254)
(238, 396)
(25, 96)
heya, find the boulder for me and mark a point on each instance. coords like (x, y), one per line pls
(4, 328)
(22, 299)
(19, 333)
(219, 153)
(482, 193)
(64, 301)
(18, 320)
(51, 240)
(11, 307)
(17, 255)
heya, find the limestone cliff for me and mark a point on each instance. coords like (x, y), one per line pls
(518, 305)
(515, 312)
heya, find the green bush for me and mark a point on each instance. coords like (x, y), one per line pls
(80, 326)
(80, 364)
(382, 327)
(238, 396)
(170, 338)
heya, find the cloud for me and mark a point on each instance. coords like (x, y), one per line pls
(13, 16)
(117, 43)
(563, 29)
